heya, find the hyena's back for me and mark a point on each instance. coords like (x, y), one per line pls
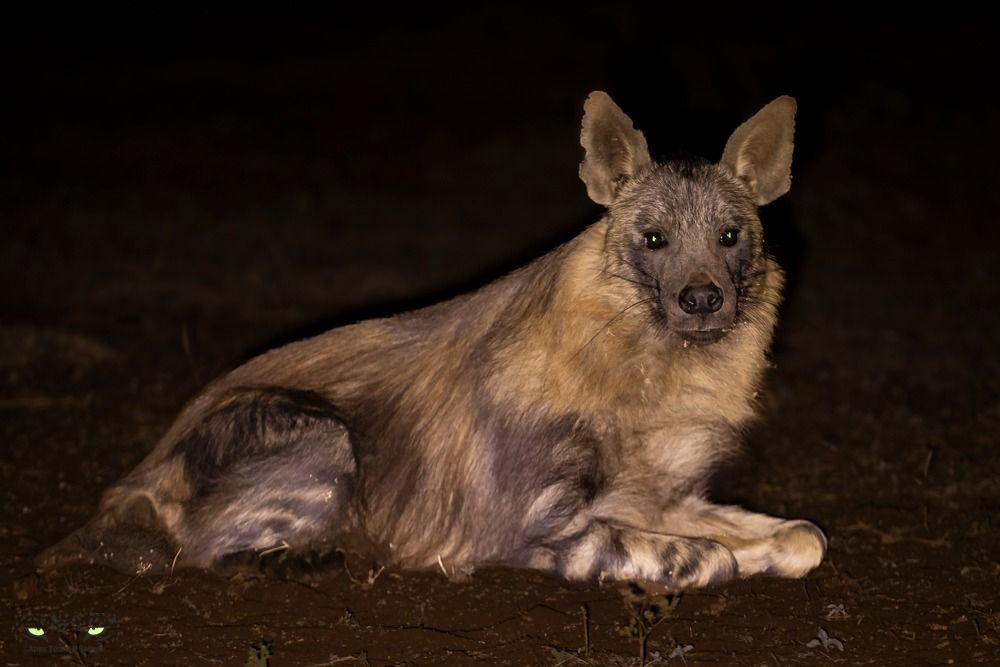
(375, 434)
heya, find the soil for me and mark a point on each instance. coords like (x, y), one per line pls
(182, 190)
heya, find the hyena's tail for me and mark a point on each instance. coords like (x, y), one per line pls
(263, 468)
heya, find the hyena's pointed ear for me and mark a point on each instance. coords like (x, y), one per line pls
(760, 151)
(614, 150)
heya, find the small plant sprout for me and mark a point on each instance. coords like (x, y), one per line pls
(373, 574)
(835, 611)
(259, 655)
(824, 640)
(680, 650)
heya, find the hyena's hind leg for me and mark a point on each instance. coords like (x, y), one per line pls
(262, 468)
(274, 469)
(606, 551)
(127, 534)
(762, 544)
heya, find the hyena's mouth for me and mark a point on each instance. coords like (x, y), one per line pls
(702, 336)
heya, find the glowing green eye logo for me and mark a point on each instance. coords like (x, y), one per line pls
(36, 632)
(93, 632)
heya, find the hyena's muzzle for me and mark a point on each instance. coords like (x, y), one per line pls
(700, 301)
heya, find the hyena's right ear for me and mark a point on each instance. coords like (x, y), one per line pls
(614, 150)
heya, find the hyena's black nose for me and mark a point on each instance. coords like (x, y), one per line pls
(698, 299)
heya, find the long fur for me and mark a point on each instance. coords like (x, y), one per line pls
(553, 419)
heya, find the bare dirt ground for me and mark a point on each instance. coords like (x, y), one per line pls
(178, 193)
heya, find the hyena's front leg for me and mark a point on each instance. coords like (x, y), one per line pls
(605, 551)
(762, 544)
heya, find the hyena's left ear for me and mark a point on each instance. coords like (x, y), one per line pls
(614, 150)
(760, 151)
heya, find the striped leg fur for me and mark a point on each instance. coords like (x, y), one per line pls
(607, 552)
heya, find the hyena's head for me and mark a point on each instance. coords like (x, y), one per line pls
(685, 234)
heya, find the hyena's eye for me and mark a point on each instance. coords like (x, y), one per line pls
(655, 240)
(36, 632)
(729, 237)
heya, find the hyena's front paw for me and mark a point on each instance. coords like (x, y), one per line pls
(665, 562)
(679, 563)
(803, 546)
(793, 550)
(696, 563)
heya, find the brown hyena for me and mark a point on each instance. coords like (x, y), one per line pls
(563, 418)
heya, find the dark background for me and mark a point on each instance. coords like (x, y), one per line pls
(183, 188)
